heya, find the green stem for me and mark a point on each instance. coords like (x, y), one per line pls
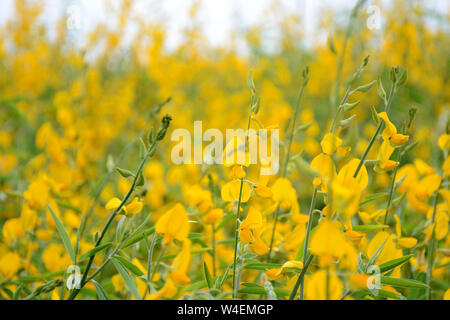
(83, 282)
(286, 162)
(377, 132)
(391, 189)
(213, 240)
(305, 244)
(236, 233)
(431, 245)
(300, 277)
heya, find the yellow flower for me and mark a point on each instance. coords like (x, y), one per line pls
(230, 191)
(319, 283)
(285, 195)
(134, 207)
(199, 197)
(276, 273)
(168, 291)
(390, 132)
(330, 143)
(384, 153)
(403, 242)
(55, 257)
(252, 222)
(213, 215)
(174, 224)
(263, 191)
(180, 264)
(238, 172)
(447, 295)
(12, 230)
(9, 264)
(389, 251)
(324, 165)
(328, 240)
(37, 194)
(407, 242)
(444, 141)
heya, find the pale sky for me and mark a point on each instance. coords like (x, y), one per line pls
(218, 17)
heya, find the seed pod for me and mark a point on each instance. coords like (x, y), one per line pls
(403, 78)
(125, 173)
(140, 180)
(165, 122)
(381, 91)
(142, 149)
(365, 87)
(349, 106)
(150, 136)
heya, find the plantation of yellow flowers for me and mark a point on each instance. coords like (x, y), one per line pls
(93, 207)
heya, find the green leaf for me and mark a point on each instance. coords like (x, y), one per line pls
(373, 197)
(405, 283)
(304, 127)
(208, 278)
(373, 259)
(129, 265)
(331, 45)
(93, 251)
(262, 266)
(129, 281)
(369, 227)
(119, 227)
(101, 293)
(260, 290)
(391, 295)
(63, 234)
(394, 263)
(134, 239)
(225, 221)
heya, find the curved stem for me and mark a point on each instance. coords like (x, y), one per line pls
(83, 282)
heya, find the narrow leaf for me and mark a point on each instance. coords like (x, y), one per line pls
(94, 251)
(101, 293)
(405, 283)
(208, 278)
(129, 281)
(129, 265)
(394, 263)
(63, 234)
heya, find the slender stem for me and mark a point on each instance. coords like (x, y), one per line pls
(85, 216)
(377, 132)
(391, 189)
(300, 277)
(327, 285)
(286, 162)
(431, 245)
(292, 134)
(75, 292)
(305, 244)
(213, 240)
(338, 111)
(238, 211)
